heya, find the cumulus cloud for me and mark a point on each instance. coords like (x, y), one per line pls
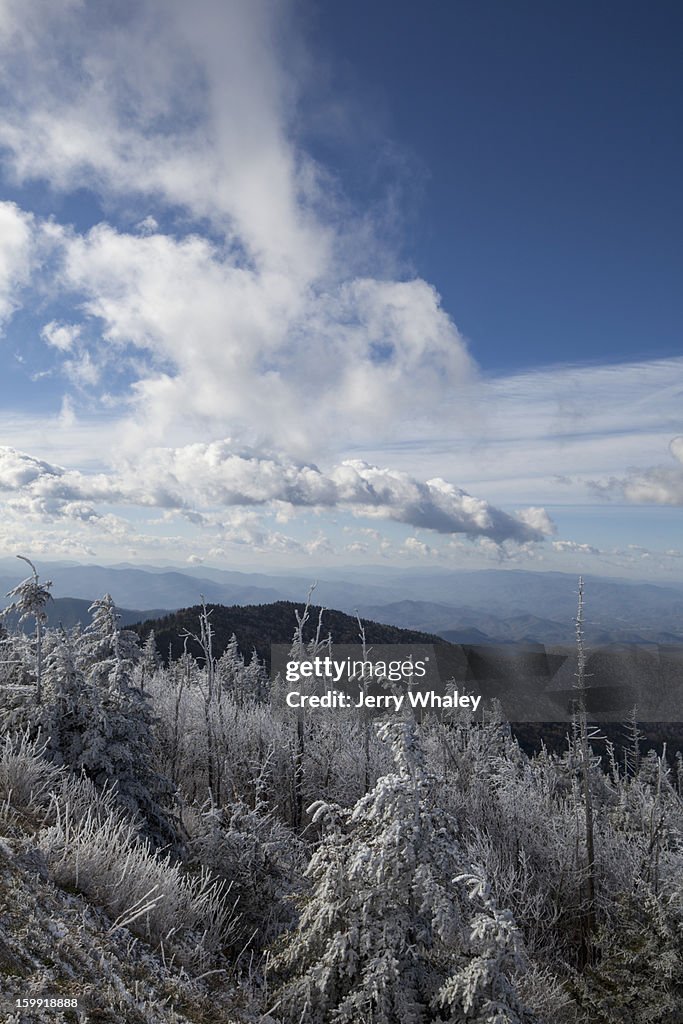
(19, 470)
(193, 105)
(538, 519)
(415, 546)
(574, 548)
(215, 475)
(252, 351)
(434, 505)
(268, 327)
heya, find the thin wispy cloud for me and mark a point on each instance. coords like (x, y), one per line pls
(15, 256)
(547, 434)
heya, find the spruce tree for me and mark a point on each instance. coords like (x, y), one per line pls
(398, 925)
(117, 743)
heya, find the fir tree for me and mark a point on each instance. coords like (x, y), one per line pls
(398, 925)
(116, 745)
(149, 659)
(66, 690)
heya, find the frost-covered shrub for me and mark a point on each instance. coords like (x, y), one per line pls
(192, 914)
(546, 995)
(638, 976)
(262, 859)
(27, 779)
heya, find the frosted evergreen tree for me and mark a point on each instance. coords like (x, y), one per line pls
(117, 743)
(230, 664)
(106, 652)
(30, 598)
(149, 659)
(398, 925)
(639, 975)
(65, 689)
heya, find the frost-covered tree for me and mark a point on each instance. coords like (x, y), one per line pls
(30, 597)
(300, 650)
(106, 652)
(149, 659)
(638, 976)
(260, 857)
(116, 745)
(398, 925)
(65, 688)
(210, 684)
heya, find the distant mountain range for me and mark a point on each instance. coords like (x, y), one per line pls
(70, 611)
(487, 606)
(478, 626)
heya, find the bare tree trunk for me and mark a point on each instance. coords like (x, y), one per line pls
(39, 661)
(299, 770)
(205, 641)
(589, 914)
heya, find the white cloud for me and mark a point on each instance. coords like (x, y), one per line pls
(148, 225)
(67, 415)
(655, 485)
(269, 332)
(538, 519)
(16, 256)
(231, 348)
(574, 548)
(211, 476)
(60, 336)
(83, 370)
(356, 548)
(415, 546)
(190, 104)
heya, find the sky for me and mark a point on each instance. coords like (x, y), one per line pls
(286, 282)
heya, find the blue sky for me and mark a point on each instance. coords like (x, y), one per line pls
(545, 147)
(343, 282)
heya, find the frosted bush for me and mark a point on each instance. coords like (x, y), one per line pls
(192, 914)
(26, 777)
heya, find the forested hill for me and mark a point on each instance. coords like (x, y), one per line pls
(257, 626)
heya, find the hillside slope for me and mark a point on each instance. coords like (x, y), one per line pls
(258, 626)
(57, 943)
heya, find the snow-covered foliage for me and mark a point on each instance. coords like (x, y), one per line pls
(110, 720)
(259, 864)
(104, 857)
(398, 924)
(261, 858)
(29, 600)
